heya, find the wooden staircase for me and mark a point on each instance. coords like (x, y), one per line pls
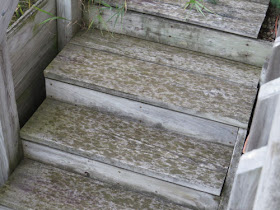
(147, 117)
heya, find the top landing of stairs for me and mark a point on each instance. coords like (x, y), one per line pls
(240, 17)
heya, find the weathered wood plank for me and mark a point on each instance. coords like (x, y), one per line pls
(227, 188)
(72, 11)
(181, 2)
(97, 170)
(7, 10)
(47, 187)
(273, 69)
(32, 47)
(163, 86)
(131, 145)
(268, 195)
(247, 179)
(187, 36)
(4, 208)
(175, 121)
(267, 103)
(170, 56)
(9, 124)
(237, 17)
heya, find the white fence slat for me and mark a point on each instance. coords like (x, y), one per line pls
(268, 194)
(246, 180)
(265, 110)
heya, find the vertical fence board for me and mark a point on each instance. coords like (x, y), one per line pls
(268, 194)
(246, 180)
(263, 116)
(9, 124)
(72, 11)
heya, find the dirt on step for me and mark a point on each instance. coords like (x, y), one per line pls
(269, 29)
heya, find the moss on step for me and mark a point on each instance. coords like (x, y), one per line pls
(38, 186)
(130, 144)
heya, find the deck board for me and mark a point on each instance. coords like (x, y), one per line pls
(160, 85)
(130, 145)
(238, 17)
(38, 186)
(187, 60)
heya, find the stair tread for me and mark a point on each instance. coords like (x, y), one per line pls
(237, 17)
(38, 186)
(130, 144)
(219, 68)
(168, 87)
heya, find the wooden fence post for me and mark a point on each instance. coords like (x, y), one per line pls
(9, 123)
(247, 179)
(72, 11)
(272, 69)
(268, 194)
(264, 113)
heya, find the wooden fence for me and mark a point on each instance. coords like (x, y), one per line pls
(257, 183)
(25, 50)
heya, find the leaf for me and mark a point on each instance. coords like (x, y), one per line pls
(41, 10)
(52, 18)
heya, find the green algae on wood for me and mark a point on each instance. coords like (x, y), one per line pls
(189, 92)
(130, 145)
(38, 186)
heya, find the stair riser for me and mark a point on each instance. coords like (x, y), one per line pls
(181, 195)
(154, 116)
(4, 208)
(188, 36)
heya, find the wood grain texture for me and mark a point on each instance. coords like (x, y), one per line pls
(9, 124)
(32, 47)
(237, 17)
(178, 122)
(155, 84)
(72, 12)
(178, 34)
(46, 187)
(170, 56)
(130, 145)
(268, 99)
(247, 180)
(4, 208)
(7, 10)
(268, 194)
(273, 69)
(227, 188)
(107, 173)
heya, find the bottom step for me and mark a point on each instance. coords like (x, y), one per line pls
(37, 186)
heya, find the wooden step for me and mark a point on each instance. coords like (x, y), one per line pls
(130, 144)
(184, 35)
(185, 89)
(153, 52)
(238, 17)
(37, 186)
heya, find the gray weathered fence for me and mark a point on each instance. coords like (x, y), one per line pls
(9, 125)
(257, 184)
(25, 50)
